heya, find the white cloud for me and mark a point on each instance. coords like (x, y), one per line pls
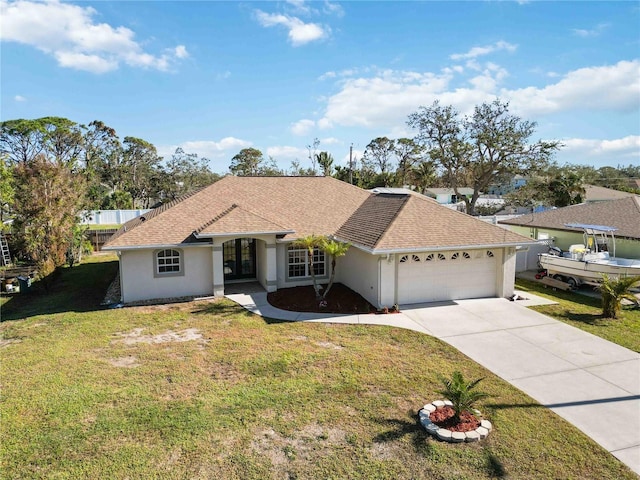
(333, 9)
(20, 98)
(620, 147)
(330, 141)
(384, 100)
(610, 87)
(300, 33)
(594, 32)
(476, 52)
(280, 153)
(302, 127)
(224, 148)
(69, 34)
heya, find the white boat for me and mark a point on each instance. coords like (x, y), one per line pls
(585, 263)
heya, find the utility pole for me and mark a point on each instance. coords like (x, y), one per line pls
(351, 164)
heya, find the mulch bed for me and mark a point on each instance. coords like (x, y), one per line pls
(341, 299)
(443, 417)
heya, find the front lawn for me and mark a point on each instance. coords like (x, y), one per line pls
(208, 390)
(585, 312)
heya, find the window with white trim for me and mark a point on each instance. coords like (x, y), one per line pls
(168, 261)
(298, 264)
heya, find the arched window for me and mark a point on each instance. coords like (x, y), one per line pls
(441, 256)
(404, 258)
(429, 257)
(415, 258)
(489, 254)
(168, 262)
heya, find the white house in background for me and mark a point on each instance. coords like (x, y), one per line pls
(405, 248)
(447, 196)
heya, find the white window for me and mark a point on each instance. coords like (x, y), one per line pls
(168, 262)
(298, 264)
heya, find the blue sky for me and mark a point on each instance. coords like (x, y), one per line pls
(216, 77)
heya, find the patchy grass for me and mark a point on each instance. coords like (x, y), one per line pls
(585, 312)
(208, 390)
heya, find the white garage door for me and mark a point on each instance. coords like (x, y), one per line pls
(433, 277)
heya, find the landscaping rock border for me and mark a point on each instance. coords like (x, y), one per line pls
(445, 435)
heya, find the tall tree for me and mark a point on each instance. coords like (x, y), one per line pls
(7, 188)
(325, 161)
(21, 140)
(378, 157)
(185, 172)
(48, 198)
(248, 162)
(141, 162)
(408, 153)
(474, 151)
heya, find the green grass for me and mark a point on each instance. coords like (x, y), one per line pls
(585, 312)
(88, 393)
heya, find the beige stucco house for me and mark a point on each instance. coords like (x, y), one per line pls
(406, 248)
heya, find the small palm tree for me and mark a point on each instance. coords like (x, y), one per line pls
(334, 249)
(461, 393)
(613, 291)
(310, 243)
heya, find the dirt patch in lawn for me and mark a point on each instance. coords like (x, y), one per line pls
(341, 299)
(136, 336)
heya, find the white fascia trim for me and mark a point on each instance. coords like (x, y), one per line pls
(452, 247)
(235, 234)
(388, 251)
(164, 245)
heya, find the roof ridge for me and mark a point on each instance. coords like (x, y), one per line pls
(216, 218)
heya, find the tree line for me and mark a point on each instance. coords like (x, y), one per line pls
(52, 168)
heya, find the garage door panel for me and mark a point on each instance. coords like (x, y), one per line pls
(446, 276)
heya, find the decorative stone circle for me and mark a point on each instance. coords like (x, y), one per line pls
(445, 435)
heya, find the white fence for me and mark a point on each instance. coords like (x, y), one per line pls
(111, 217)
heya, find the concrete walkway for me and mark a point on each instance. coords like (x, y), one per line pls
(589, 381)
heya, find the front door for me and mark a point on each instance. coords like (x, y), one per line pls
(239, 258)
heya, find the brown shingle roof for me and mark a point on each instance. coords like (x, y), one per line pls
(593, 193)
(423, 223)
(372, 219)
(310, 205)
(623, 214)
(237, 220)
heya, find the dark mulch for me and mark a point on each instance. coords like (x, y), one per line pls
(443, 417)
(341, 299)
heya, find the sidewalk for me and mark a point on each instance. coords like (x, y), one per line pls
(590, 382)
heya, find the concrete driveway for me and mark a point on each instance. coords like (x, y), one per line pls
(592, 383)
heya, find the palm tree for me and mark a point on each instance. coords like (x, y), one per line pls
(310, 243)
(613, 291)
(334, 249)
(461, 394)
(325, 160)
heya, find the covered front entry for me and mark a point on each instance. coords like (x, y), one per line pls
(239, 256)
(439, 276)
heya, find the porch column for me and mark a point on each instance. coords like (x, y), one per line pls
(218, 270)
(272, 268)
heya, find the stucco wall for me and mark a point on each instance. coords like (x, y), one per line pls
(507, 277)
(358, 270)
(139, 283)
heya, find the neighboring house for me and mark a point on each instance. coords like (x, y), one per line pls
(623, 214)
(516, 182)
(447, 196)
(593, 193)
(405, 248)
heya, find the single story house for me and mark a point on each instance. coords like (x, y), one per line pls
(405, 248)
(623, 214)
